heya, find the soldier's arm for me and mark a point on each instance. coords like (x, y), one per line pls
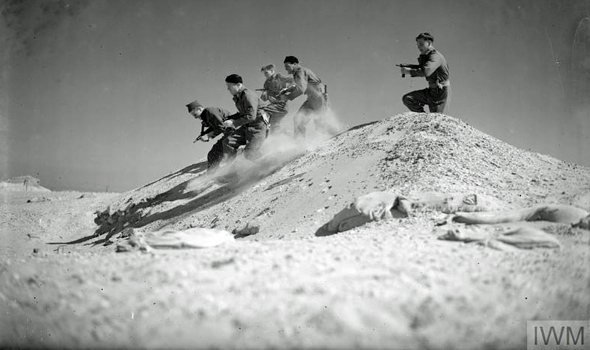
(434, 61)
(251, 104)
(216, 117)
(300, 85)
(210, 122)
(213, 133)
(286, 81)
(265, 89)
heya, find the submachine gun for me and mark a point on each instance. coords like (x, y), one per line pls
(407, 65)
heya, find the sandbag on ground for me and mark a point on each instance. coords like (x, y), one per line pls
(387, 205)
(503, 238)
(191, 238)
(373, 206)
(449, 202)
(557, 213)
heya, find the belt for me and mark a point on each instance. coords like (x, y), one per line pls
(442, 84)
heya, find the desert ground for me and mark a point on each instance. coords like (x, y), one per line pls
(390, 284)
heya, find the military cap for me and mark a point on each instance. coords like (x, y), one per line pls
(193, 105)
(291, 59)
(234, 79)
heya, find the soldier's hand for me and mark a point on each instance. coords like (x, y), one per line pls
(283, 97)
(229, 124)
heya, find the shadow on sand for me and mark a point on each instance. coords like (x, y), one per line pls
(204, 189)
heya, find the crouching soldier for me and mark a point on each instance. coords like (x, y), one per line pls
(212, 119)
(250, 123)
(433, 66)
(277, 108)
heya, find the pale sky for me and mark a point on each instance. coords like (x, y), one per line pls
(93, 93)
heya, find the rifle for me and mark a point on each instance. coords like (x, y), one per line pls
(203, 133)
(198, 138)
(407, 65)
(272, 98)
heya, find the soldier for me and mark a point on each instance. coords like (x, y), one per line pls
(250, 123)
(433, 66)
(212, 119)
(277, 109)
(305, 82)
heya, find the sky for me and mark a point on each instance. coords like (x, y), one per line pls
(93, 93)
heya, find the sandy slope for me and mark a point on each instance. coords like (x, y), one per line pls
(388, 284)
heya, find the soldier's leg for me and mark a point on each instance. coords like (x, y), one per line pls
(302, 118)
(437, 99)
(215, 155)
(276, 112)
(416, 100)
(255, 136)
(232, 142)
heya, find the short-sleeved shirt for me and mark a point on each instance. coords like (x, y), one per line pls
(434, 67)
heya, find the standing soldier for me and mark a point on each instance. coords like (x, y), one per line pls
(212, 119)
(433, 66)
(277, 109)
(250, 123)
(305, 82)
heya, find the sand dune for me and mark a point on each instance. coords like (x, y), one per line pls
(386, 284)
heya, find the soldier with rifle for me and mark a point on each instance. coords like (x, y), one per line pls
(433, 66)
(277, 108)
(306, 82)
(212, 119)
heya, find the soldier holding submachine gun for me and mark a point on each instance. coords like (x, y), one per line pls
(433, 66)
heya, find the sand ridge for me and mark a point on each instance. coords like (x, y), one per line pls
(387, 284)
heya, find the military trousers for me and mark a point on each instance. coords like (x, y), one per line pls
(276, 112)
(251, 135)
(435, 97)
(312, 109)
(215, 155)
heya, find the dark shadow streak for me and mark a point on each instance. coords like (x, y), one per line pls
(193, 168)
(322, 232)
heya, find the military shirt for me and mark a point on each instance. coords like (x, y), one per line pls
(249, 106)
(434, 67)
(306, 82)
(275, 83)
(213, 118)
